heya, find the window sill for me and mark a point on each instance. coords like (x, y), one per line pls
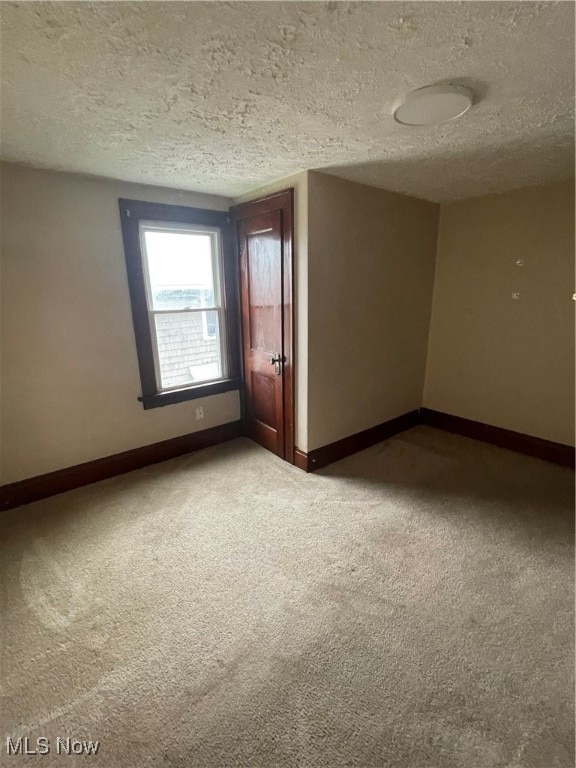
(161, 399)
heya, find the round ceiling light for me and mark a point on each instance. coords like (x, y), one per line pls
(433, 104)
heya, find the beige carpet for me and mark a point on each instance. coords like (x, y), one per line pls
(410, 607)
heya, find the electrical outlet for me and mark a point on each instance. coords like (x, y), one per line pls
(199, 413)
(515, 295)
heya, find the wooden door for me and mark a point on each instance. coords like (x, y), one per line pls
(265, 249)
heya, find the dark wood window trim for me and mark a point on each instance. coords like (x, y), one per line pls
(132, 212)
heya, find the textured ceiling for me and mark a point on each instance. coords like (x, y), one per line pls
(223, 97)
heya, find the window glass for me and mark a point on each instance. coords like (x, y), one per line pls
(180, 269)
(185, 355)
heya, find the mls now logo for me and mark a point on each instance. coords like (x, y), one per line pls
(42, 746)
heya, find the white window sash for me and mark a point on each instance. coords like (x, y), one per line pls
(217, 281)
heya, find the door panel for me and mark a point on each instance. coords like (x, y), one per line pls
(261, 281)
(264, 399)
(265, 284)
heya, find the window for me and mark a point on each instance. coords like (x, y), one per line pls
(182, 268)
(181, 281)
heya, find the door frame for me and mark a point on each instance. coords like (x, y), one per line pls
(282, 201)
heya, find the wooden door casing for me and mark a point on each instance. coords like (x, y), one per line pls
(265, 232)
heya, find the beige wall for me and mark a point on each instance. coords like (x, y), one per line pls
(298, 182)
(500, 361)
(69, 368)
(371, 271)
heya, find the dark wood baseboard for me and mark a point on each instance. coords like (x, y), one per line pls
(301, 460)
(42, 486)
(558, 453)
(340, 449)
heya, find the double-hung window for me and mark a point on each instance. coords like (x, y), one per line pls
(182, 288)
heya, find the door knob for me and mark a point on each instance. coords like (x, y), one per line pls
(276, 361)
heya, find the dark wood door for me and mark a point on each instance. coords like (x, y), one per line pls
(265, 239)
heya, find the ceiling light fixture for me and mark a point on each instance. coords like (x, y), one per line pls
(433, 104)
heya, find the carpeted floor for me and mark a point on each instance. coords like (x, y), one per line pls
(409, 607)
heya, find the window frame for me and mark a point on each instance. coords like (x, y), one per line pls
(132, 213)
(216, 265)
(206, 335)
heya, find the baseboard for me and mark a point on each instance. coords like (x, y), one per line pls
(42, 486)
(340, 449)
(548, 450)
(301, 460)
(558, 453)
